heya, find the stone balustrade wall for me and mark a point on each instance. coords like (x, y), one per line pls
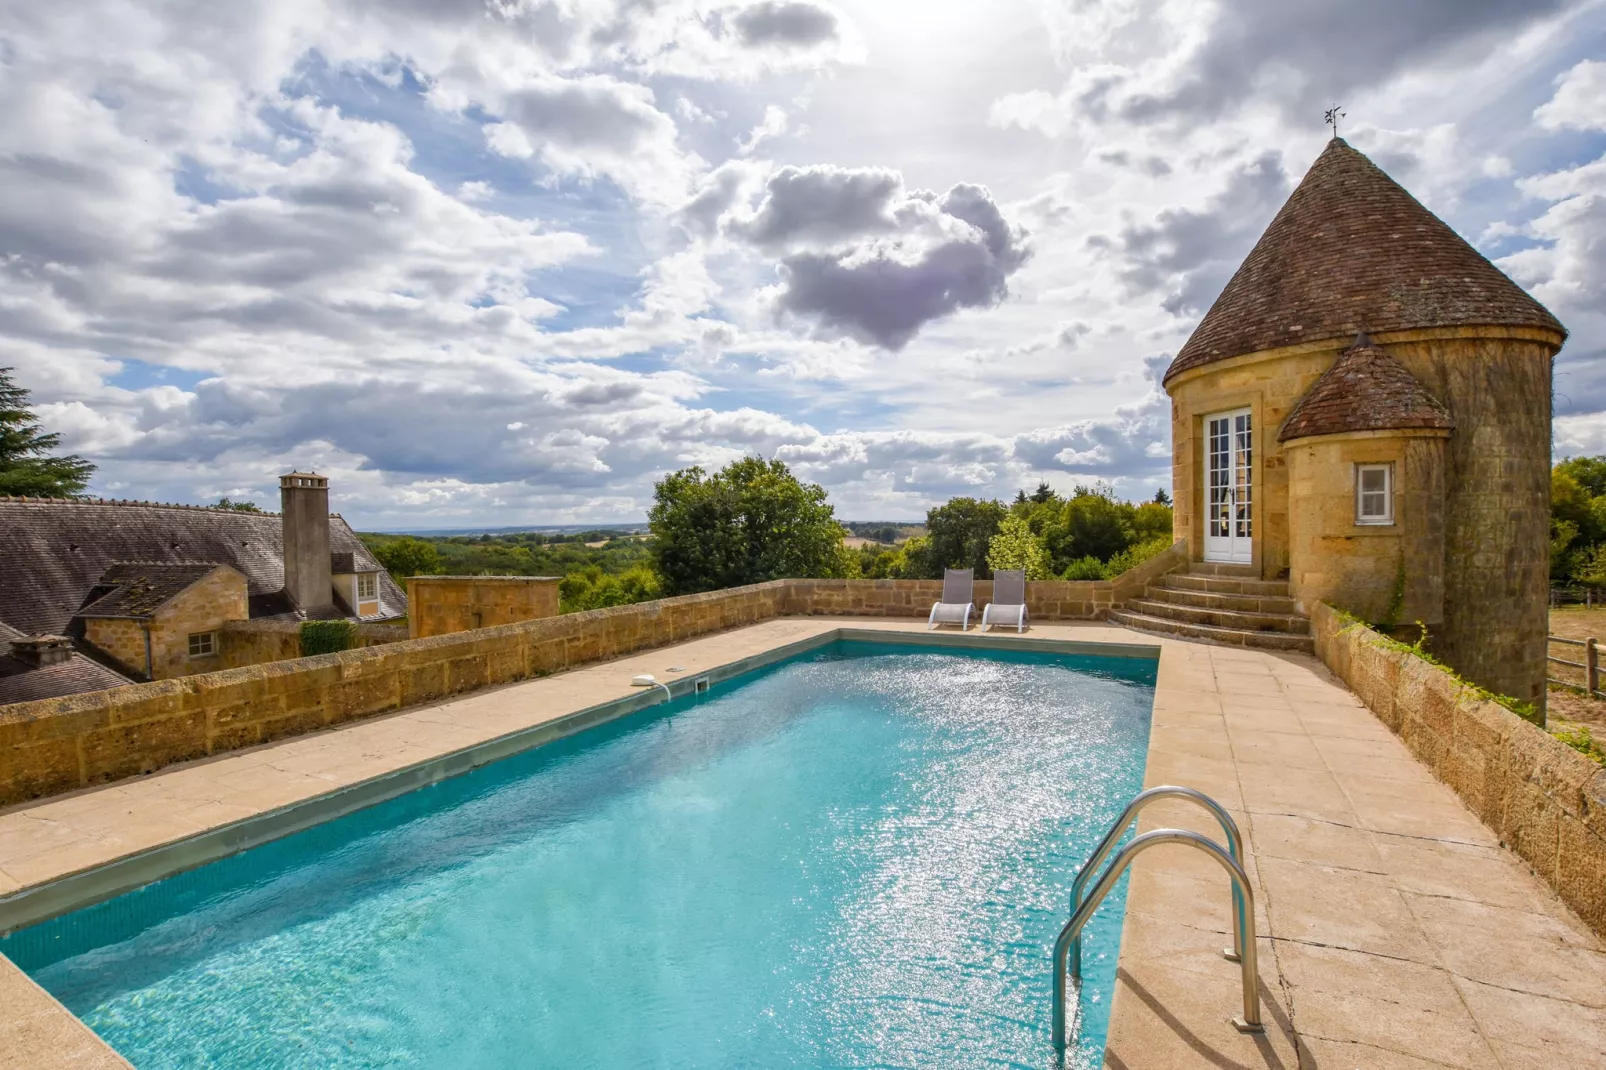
(1543, 799)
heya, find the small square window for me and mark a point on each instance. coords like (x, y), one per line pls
(203, 644)
(367, 586)
(1374, 494)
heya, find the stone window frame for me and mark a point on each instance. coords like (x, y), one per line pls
(1362, 519)
(372, 595)
(203, 644)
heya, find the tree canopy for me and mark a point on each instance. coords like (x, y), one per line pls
(1090, 535)
(408, 556)
(749, 522)
(27, 464)
(1578, 521)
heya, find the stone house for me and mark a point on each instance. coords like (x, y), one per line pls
(98, 593)
(1363, 417)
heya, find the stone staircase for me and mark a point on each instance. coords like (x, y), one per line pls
(1226, 603)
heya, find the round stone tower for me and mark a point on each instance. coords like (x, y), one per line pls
(1403, 475)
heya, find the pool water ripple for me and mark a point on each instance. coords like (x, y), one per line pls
(855, 858)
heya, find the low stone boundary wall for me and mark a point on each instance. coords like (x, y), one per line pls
(59, 744)
(1546, 801)
(256, 642)
(1045, 599)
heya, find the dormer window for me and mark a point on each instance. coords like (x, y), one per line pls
(367, 586)
(1374, 494)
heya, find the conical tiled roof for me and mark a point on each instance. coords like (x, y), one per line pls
(1366, 389)
(1352, 251)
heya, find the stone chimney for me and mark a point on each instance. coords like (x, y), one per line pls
(42, 650)
(304, 504)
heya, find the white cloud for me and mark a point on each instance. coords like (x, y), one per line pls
(497, 263)
(1580, 100)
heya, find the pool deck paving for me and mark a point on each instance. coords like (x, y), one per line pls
(1394, 930)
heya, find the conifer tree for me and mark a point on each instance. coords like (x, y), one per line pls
(26, 464)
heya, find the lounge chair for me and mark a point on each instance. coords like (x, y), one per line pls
(958, 584)
(1009, 600)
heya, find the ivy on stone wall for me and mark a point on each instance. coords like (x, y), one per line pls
(327, 636)
(1526, 710)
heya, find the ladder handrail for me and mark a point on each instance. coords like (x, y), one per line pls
(1235, 847)
(1243, 923)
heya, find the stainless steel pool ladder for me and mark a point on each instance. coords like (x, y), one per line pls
(1068, 948)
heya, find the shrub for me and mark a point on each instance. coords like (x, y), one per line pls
(327, 636)
(1087, 568)
(1580, 739)
(1133, 556)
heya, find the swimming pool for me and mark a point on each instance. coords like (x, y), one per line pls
(856, 857)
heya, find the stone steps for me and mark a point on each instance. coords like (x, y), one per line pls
(1230, 636)
(1242, 603)
(1221, 618)
(1223, 603)
(1194, 581)
(1213, 568)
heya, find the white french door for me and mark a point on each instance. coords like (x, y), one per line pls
(1228, 471)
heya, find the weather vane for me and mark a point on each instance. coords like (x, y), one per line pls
(1333, 116)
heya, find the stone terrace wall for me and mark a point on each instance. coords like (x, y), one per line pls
(59, 744)
(441, 605)
(1045, 599)
(1546, 801)
(55, 745)
(256, 642)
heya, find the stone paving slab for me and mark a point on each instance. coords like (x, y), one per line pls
(1394, 930)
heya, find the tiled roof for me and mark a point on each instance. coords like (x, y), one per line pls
(55, 551)
(347, 563)
(139, 589)
(1366, 389)
(23, 682)
(1352, 251)
(20, 682)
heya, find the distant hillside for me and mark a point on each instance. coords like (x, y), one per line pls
(599, 530)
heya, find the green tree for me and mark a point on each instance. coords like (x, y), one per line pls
(238, 507)
(749, 522)
(408, 556)
(591, 588)
(1151, 520)
(1016, 547)
(958, 535)
(26, 464)
(1096, 524)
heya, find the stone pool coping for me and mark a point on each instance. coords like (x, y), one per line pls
(1394, 930)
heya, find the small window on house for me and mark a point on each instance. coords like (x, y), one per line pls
(203, 644)
(367, 586)
(1374, 494)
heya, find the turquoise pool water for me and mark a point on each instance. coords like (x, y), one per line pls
(856, 858)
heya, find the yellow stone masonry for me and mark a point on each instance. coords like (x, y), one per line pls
(1543, 799)
(441, 605)
(201, 608)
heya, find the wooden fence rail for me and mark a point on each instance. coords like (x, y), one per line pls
(1590, 665)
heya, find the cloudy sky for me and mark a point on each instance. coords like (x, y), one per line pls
(494, 262)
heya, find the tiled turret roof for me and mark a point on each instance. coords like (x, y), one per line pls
(1352, 251)
(1365, 390)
